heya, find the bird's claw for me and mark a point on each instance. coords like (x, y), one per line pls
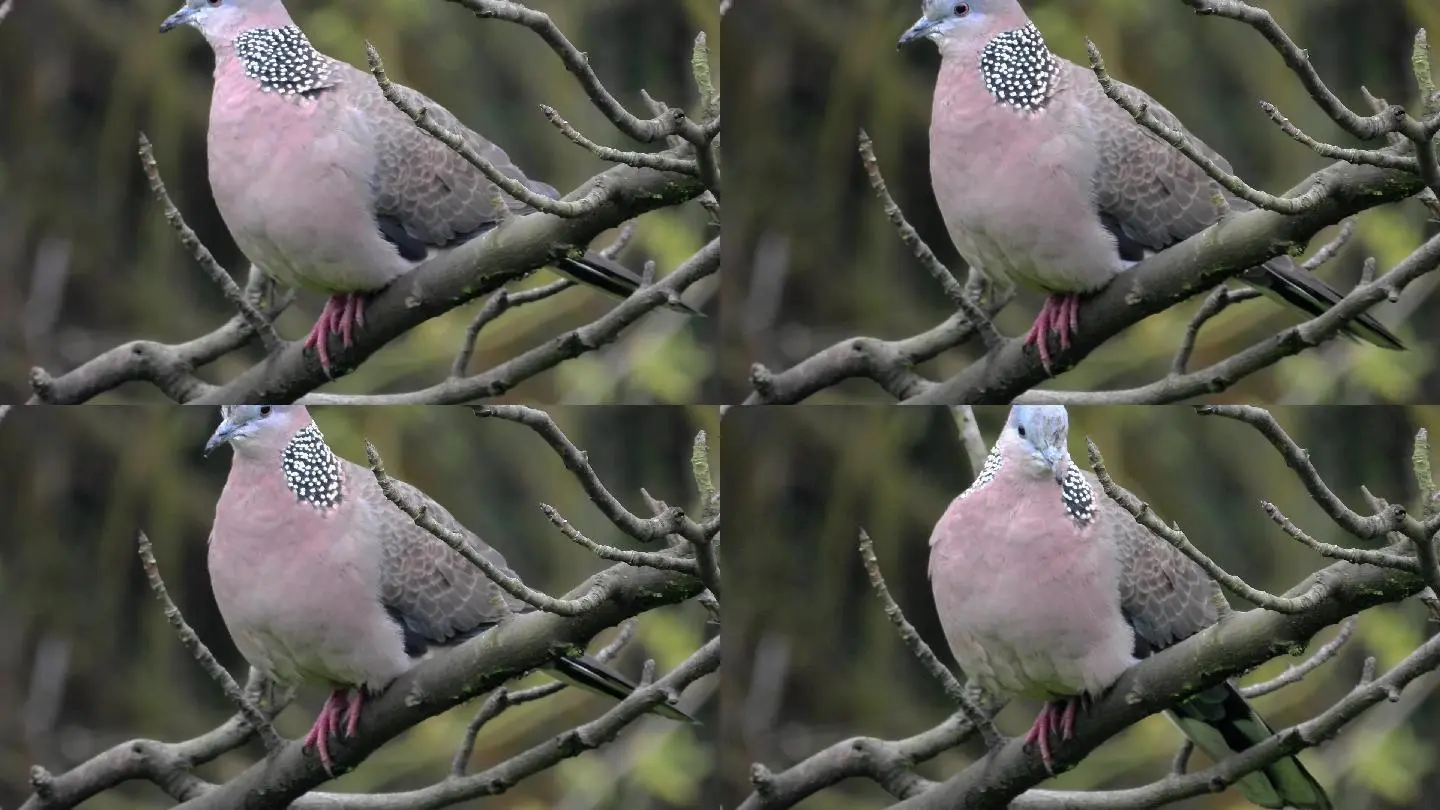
(1059, 316)
(341, 316)
(1056, 717)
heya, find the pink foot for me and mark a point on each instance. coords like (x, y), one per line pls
(352, 711)
(1058, 718)
(1061, 316)
(327, 725)
(341, 315)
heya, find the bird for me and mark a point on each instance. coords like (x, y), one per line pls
(326, 185)
(1042, 179)
(321, 579)
(1047, 589)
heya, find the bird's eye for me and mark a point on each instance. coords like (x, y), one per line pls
(1021, 430)
(264, 409)
(215, 2)
(961, 9)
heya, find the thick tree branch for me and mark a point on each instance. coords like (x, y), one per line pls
(1286, 742)
(501, 378)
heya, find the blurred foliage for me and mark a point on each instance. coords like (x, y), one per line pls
(87, 659)
(811, 659)
(87, 261)
(813, 259)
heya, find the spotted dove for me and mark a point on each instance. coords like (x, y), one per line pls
(1042, 179)
(321, 579)
(326, 185)
(1049, 590)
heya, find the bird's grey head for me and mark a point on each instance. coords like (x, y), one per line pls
(942, 21)
(253, 426)
(1041, 434)
(221, 20)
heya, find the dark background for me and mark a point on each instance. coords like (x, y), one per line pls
(87, 659)
(811, 659)
(87, 260)
(813, 260)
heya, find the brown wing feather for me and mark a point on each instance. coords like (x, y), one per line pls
(1165, 595)
(436, 592)
(1156, 194)
(435, 194)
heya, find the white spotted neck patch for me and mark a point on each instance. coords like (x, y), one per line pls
(1075, 494)
(282, 60)
(1018, 68)
(987, 474)
(311, 470)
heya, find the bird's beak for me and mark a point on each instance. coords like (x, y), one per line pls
(920, 30)
(1058, 462)
(221, 435)
(181, 17)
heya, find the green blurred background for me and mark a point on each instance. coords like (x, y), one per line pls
(87, 660)
(813, 260)
(811, 659)
(87, 261)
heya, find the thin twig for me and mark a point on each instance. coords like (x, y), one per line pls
(1364, 556)
(673, 521)
(650, 559)
(197, 648)
(498, 304)
(1296, 59)
(972, 311)
(261, 325)
(1298, 460)
(645, 160)
(1218, 302)
(502, 699)
(1360, 157)
(1182, 757)
(706, 547)
(1331, 249)
(968, 707)
(975, 449)
(1293, 674)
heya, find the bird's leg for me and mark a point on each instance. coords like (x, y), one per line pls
(327, 724)
(1067, 724)
(352, 711)
(1056, 717)
(341, 315)
(1039, 735)
(327, 323)
(1060, 315)
(351, 317)
(1070, 319)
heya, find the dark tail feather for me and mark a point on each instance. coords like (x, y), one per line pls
(1221, 723)
(1283, 280)
(588, 673)
(612, 277)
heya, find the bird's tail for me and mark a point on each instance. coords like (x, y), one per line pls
(588, 673)
(1282, 280)
(610, 276)
(1221, 723)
